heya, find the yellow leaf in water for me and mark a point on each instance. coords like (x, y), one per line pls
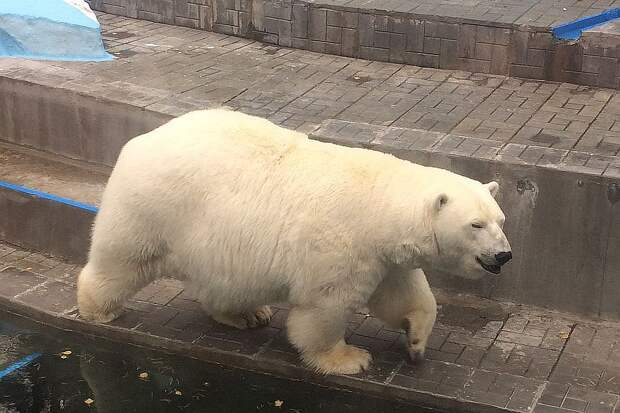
(563, 335)
(278, 403)
(89, 401)
(66, 353)
(178, 392)
(144, 376)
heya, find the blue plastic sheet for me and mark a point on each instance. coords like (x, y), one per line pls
(51, 30)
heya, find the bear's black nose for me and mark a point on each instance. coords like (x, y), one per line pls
(503, 257)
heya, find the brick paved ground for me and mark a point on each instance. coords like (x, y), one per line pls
(173, 70)
(527, 12)
(507, 356)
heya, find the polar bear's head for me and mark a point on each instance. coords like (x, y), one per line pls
(466, 230)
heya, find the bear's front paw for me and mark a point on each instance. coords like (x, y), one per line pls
(260, 316)
(341, 359)
(100, 317)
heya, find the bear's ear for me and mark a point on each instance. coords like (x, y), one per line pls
(493, 188)
(441, 201)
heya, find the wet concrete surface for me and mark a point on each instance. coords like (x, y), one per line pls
(74, 374)
(52, 174)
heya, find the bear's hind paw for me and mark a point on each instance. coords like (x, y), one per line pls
(341, 359)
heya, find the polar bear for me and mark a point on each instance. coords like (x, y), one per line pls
(249, 214)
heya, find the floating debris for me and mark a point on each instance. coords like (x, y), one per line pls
(278, 403)
(89, 401)
(143, 376)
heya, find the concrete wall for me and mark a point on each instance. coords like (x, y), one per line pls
(45, 225)
(470, 44)
(69, 124)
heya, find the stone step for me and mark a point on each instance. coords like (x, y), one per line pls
(488, 36)
(48, 203)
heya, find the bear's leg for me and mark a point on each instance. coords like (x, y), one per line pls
(404, 299)
(102, 291)
(260, 316)
(420, 321)
(318, 333)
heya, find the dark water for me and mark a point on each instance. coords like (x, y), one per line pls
(109, 375)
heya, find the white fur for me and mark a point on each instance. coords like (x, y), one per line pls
(248, 214)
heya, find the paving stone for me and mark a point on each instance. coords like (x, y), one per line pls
(14, 281)
(52, 296)
(450, 113)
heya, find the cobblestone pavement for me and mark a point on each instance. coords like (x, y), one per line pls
(508, 356)
(530, 12)
(173, 70)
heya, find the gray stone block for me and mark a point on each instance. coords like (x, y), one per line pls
(414, 31)
(447, 54)
(317, 24)
(374, 53)
(350, 19)
(131, 8)
(432, 45)
(536, 57)
(279, 9)
(366, 29)
(205, 18)
(499, 60)
(381, 23)
(540, 40)
(300, 20)
(350, 42)
(466, 44)
(334, 18)
(334, 34)
(397, 24)
(243, 5)
(422, 59)
(397, 47)
(608, 69)
(441, 30)
(381, 39)
(530, 72)
(591, 64)
(483, 51)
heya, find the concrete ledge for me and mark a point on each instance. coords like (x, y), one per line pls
(483, 356)
(262, 365)
(518, 43)
(465, 371)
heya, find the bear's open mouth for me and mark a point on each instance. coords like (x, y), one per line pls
(494, 269)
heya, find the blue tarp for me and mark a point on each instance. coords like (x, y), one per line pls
(573, 30)
(50, 29)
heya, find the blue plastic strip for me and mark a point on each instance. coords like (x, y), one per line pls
(43, 195)
(19, 364)
(572, 30)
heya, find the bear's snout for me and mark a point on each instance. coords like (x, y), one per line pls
(503, 257)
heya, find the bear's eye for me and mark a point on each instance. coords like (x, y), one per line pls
(477, 225)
